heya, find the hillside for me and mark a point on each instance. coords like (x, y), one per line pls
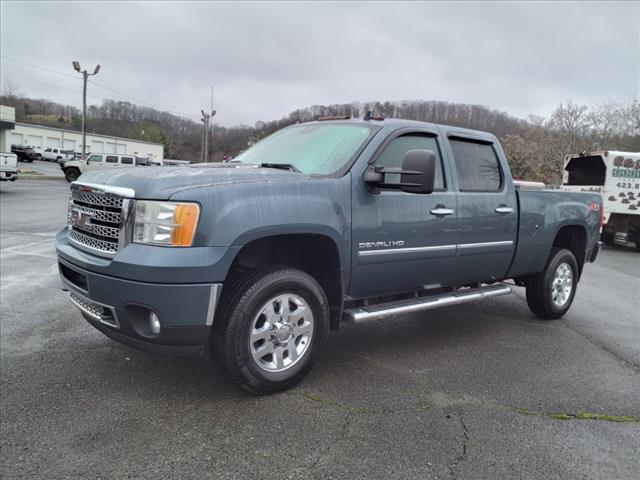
(535, 147)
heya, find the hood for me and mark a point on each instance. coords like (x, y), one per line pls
(160, 183)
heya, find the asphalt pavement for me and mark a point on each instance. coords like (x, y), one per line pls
(40, 168)
(476, 391)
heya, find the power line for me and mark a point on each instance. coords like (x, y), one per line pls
(49, 83)
(38, 66)
(157, 107)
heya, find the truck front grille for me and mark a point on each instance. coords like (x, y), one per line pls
(96, 220)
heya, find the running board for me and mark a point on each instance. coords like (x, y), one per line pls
(369, 312)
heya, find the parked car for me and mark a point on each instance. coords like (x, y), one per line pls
(73, 168)
(318, 223)
(23, 153)
(37, 151)
(54, 154)
(616, 177)
(8, 166)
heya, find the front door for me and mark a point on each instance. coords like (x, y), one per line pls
(403, 242)
(95, 161)
(487, 212)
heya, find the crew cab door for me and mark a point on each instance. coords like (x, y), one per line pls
(402, 242)
(487, 209)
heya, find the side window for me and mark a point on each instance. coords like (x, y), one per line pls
(95, 158)
(394, 153)
(112, 159)
(126, 160)
(48, 150)
(477, 166)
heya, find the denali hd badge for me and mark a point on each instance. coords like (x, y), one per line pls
(390, 243)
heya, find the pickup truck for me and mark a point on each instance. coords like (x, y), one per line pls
(350, 220)
(23, 153)
(8, 167)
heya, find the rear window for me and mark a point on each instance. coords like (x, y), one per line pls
(477, 166)
(112, 159)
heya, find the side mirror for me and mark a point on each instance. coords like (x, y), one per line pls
(418, 171)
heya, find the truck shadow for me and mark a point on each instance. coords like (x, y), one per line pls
(390, 339)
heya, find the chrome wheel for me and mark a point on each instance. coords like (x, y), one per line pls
(281, 332)
(562, 285)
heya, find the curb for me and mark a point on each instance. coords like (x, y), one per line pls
(39, 177)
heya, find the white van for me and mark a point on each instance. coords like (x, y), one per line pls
(615, 176)
(97, 161)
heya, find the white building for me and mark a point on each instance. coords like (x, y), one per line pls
(12, 132)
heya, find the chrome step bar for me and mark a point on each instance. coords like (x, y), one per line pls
(369, 312)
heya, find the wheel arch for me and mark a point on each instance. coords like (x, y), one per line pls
(574, 238)
(315, 253)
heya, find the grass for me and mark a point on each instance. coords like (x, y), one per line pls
(603, 417)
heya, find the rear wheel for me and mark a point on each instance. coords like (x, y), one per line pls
(71, 174)
(551, 292)
(275, 320)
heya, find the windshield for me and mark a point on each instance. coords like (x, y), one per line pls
(310, 149)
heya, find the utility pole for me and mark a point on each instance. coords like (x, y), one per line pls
(85, 78)
(207, 131)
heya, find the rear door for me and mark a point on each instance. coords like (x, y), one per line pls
(403, 242)
(127, 161)
(487, 209)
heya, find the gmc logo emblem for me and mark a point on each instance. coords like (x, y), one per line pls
(80, 218)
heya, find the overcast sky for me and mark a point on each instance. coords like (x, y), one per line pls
(267, 59)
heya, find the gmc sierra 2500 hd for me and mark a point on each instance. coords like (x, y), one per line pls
(353, 219)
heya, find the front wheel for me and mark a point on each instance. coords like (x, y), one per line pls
(71, 174)
(274, 323)
(551, 292)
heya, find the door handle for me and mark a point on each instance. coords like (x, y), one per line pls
(503, 209)
(441, 211)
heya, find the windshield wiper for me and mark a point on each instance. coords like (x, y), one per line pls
(282, 166)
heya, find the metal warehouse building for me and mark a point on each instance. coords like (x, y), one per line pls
(12, 132)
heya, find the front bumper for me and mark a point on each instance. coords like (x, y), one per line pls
(120, 309)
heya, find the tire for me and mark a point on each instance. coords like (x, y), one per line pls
(38, 157)
(71, 174)
(254, 323)
(551, 292)
(638, 242)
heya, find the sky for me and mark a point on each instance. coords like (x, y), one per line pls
(266, 59)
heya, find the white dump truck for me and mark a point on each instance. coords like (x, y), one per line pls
(615, 176)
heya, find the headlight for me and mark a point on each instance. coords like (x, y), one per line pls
(165, 223)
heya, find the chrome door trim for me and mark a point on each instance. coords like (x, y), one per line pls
(386, 251)
(485, 244)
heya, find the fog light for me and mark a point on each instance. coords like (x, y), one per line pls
(154, 323)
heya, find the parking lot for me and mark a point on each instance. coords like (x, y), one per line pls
(482, 390)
